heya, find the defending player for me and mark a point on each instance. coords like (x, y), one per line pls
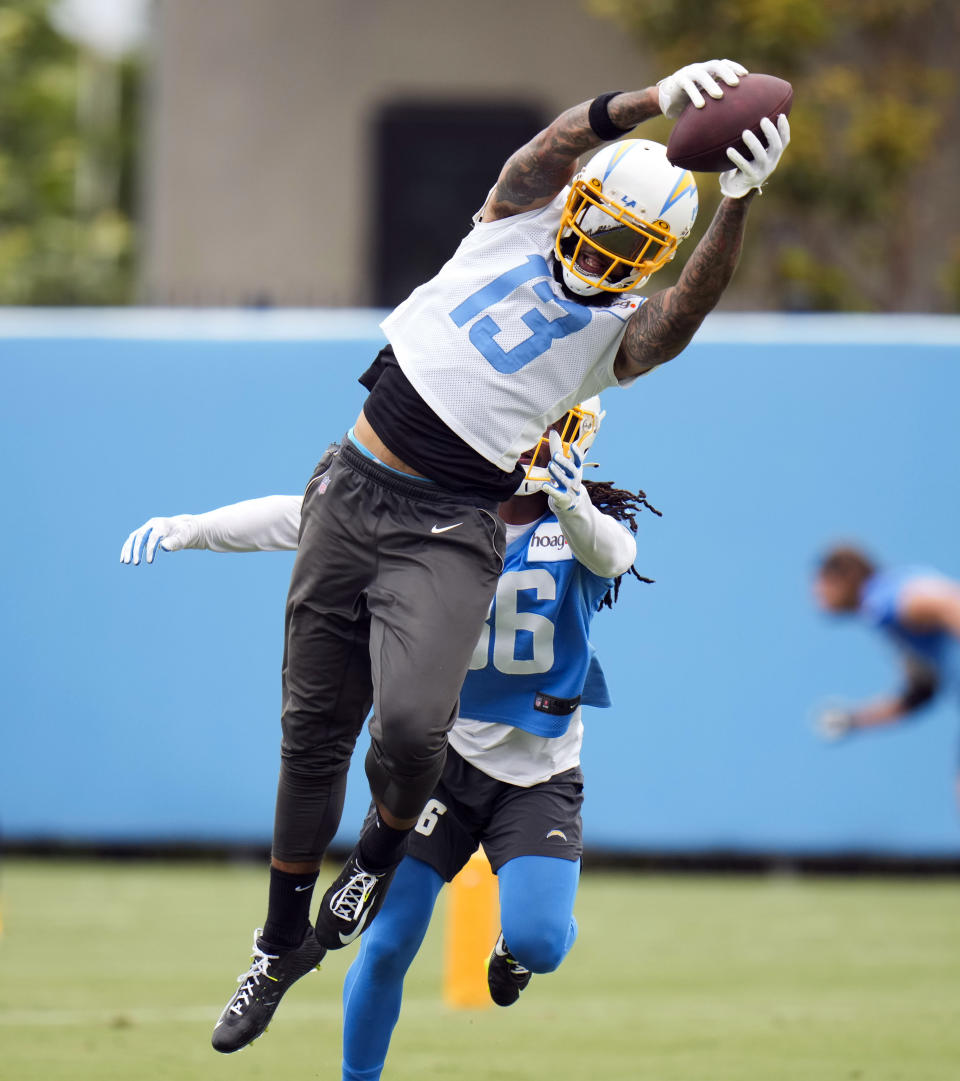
(512, 779)
(400, 549)
(917, 608)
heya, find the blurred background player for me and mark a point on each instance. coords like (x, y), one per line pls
(512, 778)
(917, 608)
(400, 550)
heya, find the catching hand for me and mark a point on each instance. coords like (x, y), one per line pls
(735, 183)
(683, 86)
(566, 472)
(833, 724)
(170, 534)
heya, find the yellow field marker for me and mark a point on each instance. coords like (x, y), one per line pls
(473, 922)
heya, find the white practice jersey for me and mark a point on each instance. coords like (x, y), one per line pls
(513, 756)
(494, 346)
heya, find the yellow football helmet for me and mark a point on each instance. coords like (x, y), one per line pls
(577, 427)
(627, 211)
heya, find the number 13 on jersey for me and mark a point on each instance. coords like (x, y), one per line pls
(543, 331)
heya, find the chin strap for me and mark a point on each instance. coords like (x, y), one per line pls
(579, 288)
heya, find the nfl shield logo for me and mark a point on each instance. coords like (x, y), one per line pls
(322, 486)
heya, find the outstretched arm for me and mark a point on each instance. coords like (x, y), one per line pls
(538, 171)
(270, 524)
(534, 174)
(920, 686)
(663, 326)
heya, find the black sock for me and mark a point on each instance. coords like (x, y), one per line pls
(381, 846)
(288, 910)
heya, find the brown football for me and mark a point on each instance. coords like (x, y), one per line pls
(700, 137)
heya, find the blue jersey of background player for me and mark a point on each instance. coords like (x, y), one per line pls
(512, 779)
(917, 608)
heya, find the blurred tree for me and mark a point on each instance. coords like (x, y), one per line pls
(66, 164)
(855, 217)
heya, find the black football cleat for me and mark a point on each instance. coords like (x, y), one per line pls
(506, 977)
(247, 1014)
(350, 904)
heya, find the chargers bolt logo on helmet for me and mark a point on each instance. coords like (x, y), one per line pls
(627, 211)
(577, 427)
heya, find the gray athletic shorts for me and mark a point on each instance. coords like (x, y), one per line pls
(469, 808)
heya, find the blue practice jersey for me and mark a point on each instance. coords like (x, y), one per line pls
(880, 603)
(534, 663)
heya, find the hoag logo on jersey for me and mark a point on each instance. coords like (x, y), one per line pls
(548, 544)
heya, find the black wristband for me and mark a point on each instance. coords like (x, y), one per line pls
(601, 124)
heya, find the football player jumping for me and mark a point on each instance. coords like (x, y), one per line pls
(400, 546)
(512, 778)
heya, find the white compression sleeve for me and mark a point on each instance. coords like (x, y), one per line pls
(598, 541)
(270, 524)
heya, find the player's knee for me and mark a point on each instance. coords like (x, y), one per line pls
(405, 749)
(386, 959)
(309, 765)
(539, 948)
(312, 748)
(412, 731)
(387, 952)
(402, 777)
(410, 752)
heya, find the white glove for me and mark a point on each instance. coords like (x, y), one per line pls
(735, 183)
(834, 723)
(566, 472)
(683, 86)
(170, 534)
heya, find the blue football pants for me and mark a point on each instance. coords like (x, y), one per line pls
(536, 912)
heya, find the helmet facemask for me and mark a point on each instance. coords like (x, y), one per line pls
(577, 427)
(624, 249)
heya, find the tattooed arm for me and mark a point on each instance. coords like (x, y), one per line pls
(534, 175)
(663, 326)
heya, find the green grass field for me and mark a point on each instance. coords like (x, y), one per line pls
(116, 972)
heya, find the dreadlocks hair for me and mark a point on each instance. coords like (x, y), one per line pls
(624, 506)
